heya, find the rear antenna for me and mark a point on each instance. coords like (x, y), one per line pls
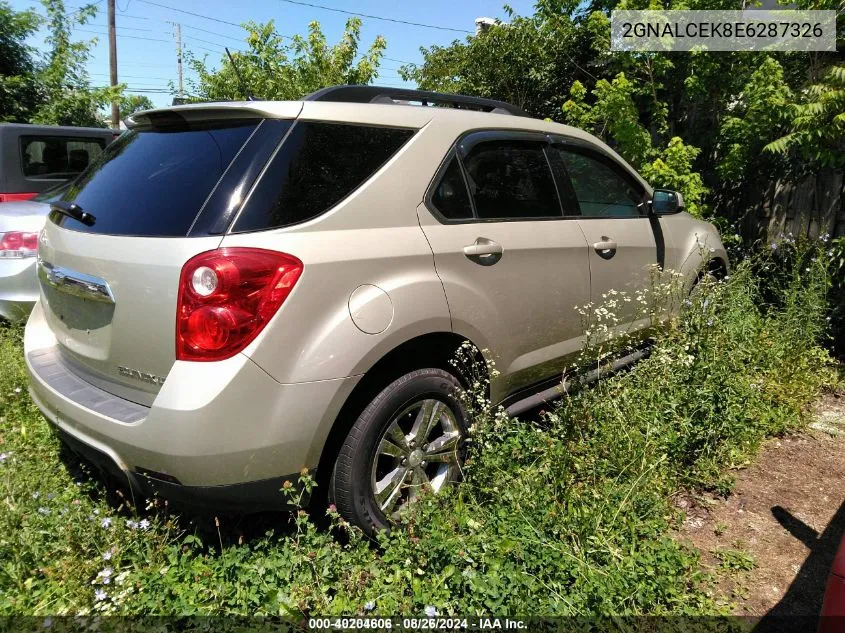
(248, 94)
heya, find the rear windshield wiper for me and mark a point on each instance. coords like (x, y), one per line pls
(73, 210)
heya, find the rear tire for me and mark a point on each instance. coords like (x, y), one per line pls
(409, 439)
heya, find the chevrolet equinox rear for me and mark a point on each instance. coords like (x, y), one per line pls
(235, 291)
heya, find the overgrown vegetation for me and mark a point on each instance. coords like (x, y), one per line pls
(566, 514)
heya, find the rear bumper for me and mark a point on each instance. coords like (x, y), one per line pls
(18, 288)
(219, 436)
(252, 496)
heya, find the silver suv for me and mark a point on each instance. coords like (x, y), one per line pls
(235, 291)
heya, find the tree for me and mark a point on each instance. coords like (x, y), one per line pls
(18, 93)
(530, 62)
(130, 104)
(757, 116)
(817, 122)
(613, 117)
(67, 96)
(274, 69)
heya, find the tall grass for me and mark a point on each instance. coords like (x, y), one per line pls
(568, 514)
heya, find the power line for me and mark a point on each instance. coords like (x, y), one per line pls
(372, 17)
(139, 63)
(148, 39)
(196, 39)
(133, 17)
(196, 28)
(398, 61)
(204, 17)
(123, 28)
(197, 15)
(142, 90)
(131, 37)
(134, 77)
(81, 8)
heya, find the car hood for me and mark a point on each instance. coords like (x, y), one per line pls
(23, 216)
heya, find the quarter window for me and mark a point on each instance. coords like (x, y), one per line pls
(317, 166)
(451, 197)
(511, 179)
(602, 191)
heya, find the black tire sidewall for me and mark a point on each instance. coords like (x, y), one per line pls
(351, 481)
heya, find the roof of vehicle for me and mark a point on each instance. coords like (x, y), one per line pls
(52, 129)
(402, 115)
(372, 109)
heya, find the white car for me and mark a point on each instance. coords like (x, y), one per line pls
(20, 224)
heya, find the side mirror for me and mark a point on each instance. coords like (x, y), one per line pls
(666, 202)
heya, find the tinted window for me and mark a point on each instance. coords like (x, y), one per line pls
(450, 197)
(154, 181)
(602, 190)
(511, 179)
(57, 156)
(317, 166)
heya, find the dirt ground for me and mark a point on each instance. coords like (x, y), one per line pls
(771, 543)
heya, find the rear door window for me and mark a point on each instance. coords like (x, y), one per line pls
(56, 157)
(511, 180)
(318, 165)
(154, 181)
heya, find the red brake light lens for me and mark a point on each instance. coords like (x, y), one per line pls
(16, 244)
(227, 296)
(17, 197)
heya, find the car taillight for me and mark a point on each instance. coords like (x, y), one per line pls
(16, 244)
(16, 197)
(227, 296)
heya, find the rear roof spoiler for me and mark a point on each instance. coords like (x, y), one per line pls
(215, 111)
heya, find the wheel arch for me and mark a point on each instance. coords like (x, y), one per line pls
(433, 349)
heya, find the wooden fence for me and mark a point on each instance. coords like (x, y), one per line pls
(810, 207)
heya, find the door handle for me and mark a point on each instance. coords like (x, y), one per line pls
(483, 251)
(606, 248)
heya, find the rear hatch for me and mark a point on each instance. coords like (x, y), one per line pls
(159, 195)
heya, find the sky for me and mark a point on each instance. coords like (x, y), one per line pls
(146, 47)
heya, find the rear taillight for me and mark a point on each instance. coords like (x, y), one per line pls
(227, 296)
(15, 244)
(16, 197)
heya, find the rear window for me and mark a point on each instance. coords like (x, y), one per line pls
(154, 181)
(54, 157)
(318, 165)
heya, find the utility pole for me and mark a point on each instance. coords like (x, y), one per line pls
(115, 108)
(179, 57)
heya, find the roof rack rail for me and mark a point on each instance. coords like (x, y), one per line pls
(383, 94)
